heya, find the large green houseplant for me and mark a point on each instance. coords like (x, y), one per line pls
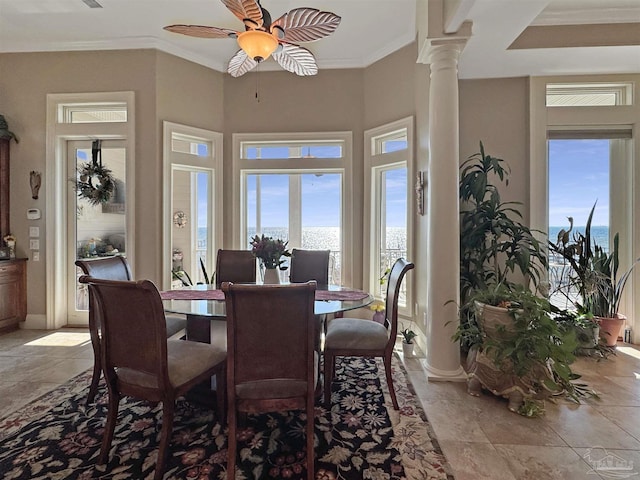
(594, 284)
(525, 355)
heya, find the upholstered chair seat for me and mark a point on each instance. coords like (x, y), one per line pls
(357, 334)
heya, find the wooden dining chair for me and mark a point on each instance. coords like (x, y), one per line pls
(271, 360)
(112, 268)
(366, 338)
(139, 361)
(237, 266)
(309, 265)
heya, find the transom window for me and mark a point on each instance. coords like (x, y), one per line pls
(112, 112)
(589, 94)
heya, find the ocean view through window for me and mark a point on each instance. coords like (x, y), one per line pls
(579, 176)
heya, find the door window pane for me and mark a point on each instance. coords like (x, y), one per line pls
(579, 176)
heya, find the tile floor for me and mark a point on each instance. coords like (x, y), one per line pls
(480, 437)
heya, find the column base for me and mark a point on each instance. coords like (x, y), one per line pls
(437, 375)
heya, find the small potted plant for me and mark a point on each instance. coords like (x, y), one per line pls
(407, 342)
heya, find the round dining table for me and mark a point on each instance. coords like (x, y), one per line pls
(203, 303)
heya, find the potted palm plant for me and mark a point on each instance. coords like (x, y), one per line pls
(593, 282)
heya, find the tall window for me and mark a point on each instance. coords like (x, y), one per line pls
(292, 187)
(192, 203)
(388, 162)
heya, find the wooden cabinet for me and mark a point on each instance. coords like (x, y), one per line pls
(4, 188)
(13, 293)
(13, 273)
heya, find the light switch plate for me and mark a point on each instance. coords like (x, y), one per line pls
(34, 231)
(34, 244)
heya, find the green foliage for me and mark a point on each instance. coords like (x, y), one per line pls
(408, 335)
(207, 280)
(594, 272)
(493, 242)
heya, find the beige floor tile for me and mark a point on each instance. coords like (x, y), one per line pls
(14, 395)
(476, 461)
(584, 426)
(455, 419)
(544, 463)
(513, 429)
(627, 418)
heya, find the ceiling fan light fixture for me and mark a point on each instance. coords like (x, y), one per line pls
(257, 44)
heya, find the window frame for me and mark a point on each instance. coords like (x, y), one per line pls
(211, 163)
(374, 165)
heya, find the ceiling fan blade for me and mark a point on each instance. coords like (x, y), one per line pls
(296, 60)
(307, 24)
(245, 9)
(240, 64)
(201, 31)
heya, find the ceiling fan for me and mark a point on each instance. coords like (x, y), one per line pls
(262, 37)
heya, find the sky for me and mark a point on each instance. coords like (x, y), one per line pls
(578, 177)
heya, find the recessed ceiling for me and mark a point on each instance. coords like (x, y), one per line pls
(370, 30)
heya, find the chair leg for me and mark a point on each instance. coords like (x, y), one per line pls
(112, 417)
(329, 361)
(387, 371)
(95, 378)
(231, 443)
(168, 412)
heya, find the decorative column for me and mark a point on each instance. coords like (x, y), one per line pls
(443, 250)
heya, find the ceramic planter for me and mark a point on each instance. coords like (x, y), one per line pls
(610, 328)
(407, 349)
(271, 276)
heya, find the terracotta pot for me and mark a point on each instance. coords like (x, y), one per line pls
(610, 328)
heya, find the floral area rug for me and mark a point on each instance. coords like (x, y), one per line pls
(361, 437)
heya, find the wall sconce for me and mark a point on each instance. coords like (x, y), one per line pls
(420, 181)
(35, 179)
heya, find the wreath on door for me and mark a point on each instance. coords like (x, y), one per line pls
(95, 181)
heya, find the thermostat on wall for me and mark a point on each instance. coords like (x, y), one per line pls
(33, 213)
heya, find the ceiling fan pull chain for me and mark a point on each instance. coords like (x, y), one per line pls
(257, 83)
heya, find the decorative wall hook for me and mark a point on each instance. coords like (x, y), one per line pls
(35, 179)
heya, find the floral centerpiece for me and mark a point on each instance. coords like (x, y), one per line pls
(270, 251)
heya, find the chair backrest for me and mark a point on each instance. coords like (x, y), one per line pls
(270, 332)
(396, 275)
(134, 332)
(107, 268)
(309, 265)
(237, 266)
